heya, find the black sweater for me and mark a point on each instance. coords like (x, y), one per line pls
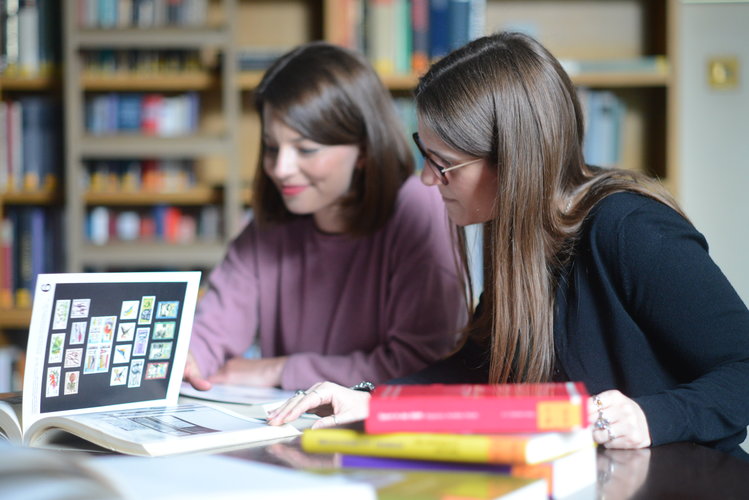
(643, 309)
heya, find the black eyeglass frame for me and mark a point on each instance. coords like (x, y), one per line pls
(438, 170)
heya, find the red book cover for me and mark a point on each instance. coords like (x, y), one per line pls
(151, 113)
(478, 409)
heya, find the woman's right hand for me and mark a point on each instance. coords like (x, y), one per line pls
(347, 405)
(193, 376)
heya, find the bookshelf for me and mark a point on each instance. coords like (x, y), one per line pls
(30, 93)
(212, 143)
(625, 47)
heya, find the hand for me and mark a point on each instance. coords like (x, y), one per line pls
(192, 374)
(264, 372)
(347, 405)
(618, 422)
(621, 473)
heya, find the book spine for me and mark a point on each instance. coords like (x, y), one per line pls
(476, 414)
(420, 446)
(439, 29)
(3, 51)
(4, 146)
(420, 36)
(11, 37)
(7, 285)
(380, 25)
(458, 23)
(28, 38)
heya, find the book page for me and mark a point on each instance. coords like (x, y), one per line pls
(214, 476)
(162, 430)
(10, 427)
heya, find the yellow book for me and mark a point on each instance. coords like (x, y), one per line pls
(479, 448)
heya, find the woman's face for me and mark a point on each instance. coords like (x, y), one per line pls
(471, 191)
(312, 178)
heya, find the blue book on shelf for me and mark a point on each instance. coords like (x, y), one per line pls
(39, 246)
(459, 15)
(31, 141)
(128, 113)
(439, 29)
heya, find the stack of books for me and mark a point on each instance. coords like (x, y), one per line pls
(537, 432)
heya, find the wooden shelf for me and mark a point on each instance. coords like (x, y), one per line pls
(15, 318)
(249, 80)
(142, 146)
(617, 79)
(134, 82)
(41, 197)
(153, 255)
(201, 195)
(151, 38)
(29, 83)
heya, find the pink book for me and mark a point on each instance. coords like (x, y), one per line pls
(478, 409)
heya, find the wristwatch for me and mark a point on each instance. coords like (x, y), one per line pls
(364, 387)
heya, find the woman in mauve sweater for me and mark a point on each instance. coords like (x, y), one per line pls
(347, 271)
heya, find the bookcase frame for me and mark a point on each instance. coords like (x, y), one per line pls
(80, 146)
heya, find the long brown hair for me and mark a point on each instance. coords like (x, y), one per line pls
(332, 96)
(506, 99)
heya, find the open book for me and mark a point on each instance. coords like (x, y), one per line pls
(104, 362)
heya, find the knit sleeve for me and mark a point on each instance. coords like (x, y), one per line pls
(227, 314)
(694, 320)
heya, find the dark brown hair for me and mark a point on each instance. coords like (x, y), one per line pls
(332, 96)
(506, 99)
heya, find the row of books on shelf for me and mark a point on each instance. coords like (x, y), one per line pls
(141, 13)
(142, 62)
(538, 432)
(161, 223)
(150, 114)
(401, 36)
(30, 143)
(31, 242)
(30, 37)
(152, 176)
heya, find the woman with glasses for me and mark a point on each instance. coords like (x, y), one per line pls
(592, 275)
(347, 271)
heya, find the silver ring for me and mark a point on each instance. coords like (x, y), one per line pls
(300, 392)
(601, 423)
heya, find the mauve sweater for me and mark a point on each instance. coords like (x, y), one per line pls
(341, 308)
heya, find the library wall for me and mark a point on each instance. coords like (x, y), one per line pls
(120, 184)
(713, 129)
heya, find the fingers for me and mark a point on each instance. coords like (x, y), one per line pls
(200, 384)
(618, 422)
(193, 376)
(298, 404)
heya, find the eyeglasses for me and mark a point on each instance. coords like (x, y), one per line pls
(438, 169)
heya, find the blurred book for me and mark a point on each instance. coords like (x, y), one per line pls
(473, 448)
(476, 408)
(570, 474)
(27, 473)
